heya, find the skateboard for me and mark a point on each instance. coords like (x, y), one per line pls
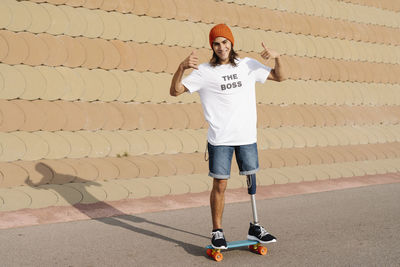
(254, 246)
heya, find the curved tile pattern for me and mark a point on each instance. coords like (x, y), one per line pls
(241, 11)
(86, 115)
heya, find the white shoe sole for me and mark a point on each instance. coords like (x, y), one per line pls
(250, 237)
(218, 247)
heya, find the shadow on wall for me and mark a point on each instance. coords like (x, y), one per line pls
(94, 211)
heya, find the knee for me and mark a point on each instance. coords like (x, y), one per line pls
(219, 185)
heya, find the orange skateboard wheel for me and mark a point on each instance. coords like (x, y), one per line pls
(218, 256)
(262, 250)
(215, 254)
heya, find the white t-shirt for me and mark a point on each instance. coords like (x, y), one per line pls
(228, 97)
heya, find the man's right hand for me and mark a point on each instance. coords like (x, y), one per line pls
(192, 61)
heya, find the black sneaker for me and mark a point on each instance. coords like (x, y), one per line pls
(218, 239)
(258, 233)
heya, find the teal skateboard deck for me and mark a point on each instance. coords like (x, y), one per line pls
(254, 246)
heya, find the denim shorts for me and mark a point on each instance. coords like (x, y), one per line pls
(220, 160)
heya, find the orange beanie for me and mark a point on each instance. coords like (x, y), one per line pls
(221, 30)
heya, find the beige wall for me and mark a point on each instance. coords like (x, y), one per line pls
(85, 113)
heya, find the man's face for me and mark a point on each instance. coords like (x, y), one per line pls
(222, 47)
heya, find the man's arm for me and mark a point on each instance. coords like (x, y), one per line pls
(277, 73)
(177, 88)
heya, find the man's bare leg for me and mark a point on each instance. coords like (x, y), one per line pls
(217, 201)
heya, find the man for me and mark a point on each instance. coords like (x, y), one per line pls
(226, 86)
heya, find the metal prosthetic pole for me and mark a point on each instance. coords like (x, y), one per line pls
(251, 189)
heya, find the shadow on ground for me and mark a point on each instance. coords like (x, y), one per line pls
(119, 219)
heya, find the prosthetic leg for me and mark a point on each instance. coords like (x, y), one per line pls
(258, 231)
(251, 189)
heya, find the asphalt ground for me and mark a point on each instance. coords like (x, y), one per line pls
(350, 227)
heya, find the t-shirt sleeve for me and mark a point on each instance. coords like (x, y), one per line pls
(259, 70)
(193, 82)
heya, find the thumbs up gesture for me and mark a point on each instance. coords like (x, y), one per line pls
(192, 61)
(268, 53)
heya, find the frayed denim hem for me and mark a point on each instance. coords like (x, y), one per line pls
(249, 172)
(218, 176)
